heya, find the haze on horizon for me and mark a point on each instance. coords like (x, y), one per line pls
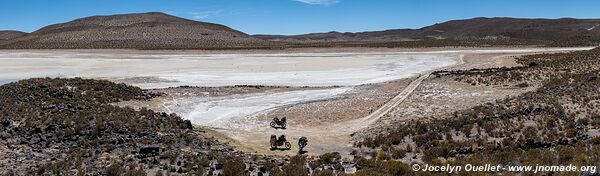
(294, 16)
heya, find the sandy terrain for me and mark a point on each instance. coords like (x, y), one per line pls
(300, 67)
(171, 69)
(353, 104)
(175, 94)
(217, 112)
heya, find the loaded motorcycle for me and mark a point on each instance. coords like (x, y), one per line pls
(281, 141)
(279, 123)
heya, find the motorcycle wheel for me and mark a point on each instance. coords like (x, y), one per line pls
(283, 126)
(288, 145)
(273, 124)
(273, 146)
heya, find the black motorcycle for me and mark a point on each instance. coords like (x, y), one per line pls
(278, 123)
(281, 141)
(302, 142)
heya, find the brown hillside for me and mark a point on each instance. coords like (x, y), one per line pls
(5, 35)
(136, 31)
(564, 31)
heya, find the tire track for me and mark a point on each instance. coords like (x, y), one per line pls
(352, 126)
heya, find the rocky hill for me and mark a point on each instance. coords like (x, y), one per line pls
(5, 35)
(156, 30)
(564, 31)
(134, 31)
(334, 36)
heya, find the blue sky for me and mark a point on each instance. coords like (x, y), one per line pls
(295, 16)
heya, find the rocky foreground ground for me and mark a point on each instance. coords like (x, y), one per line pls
(555, 124)
(69, 127)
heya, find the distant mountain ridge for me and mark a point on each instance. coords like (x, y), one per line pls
(9, 34)
(155, 30)
(548, 30)
(152, 30)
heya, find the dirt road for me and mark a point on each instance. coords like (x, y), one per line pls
(352, 126)
(252, 134)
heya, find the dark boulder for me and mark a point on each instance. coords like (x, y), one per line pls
(150, 150)
(188, 124)
(5, 122)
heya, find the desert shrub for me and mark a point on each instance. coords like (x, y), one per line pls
(529, 132)
(381, 155)
(294, 170)
(276, 171)
(9, 173)
(296, 166)
(330, 158)
(135, 172)
(522, 85)
(326, 172)
(200, 171)
(595, 140)
(596, 123)
(234, 167)
(114, 170)
(370, 172)
(398, 153)
(571, 132)
(397, 168)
